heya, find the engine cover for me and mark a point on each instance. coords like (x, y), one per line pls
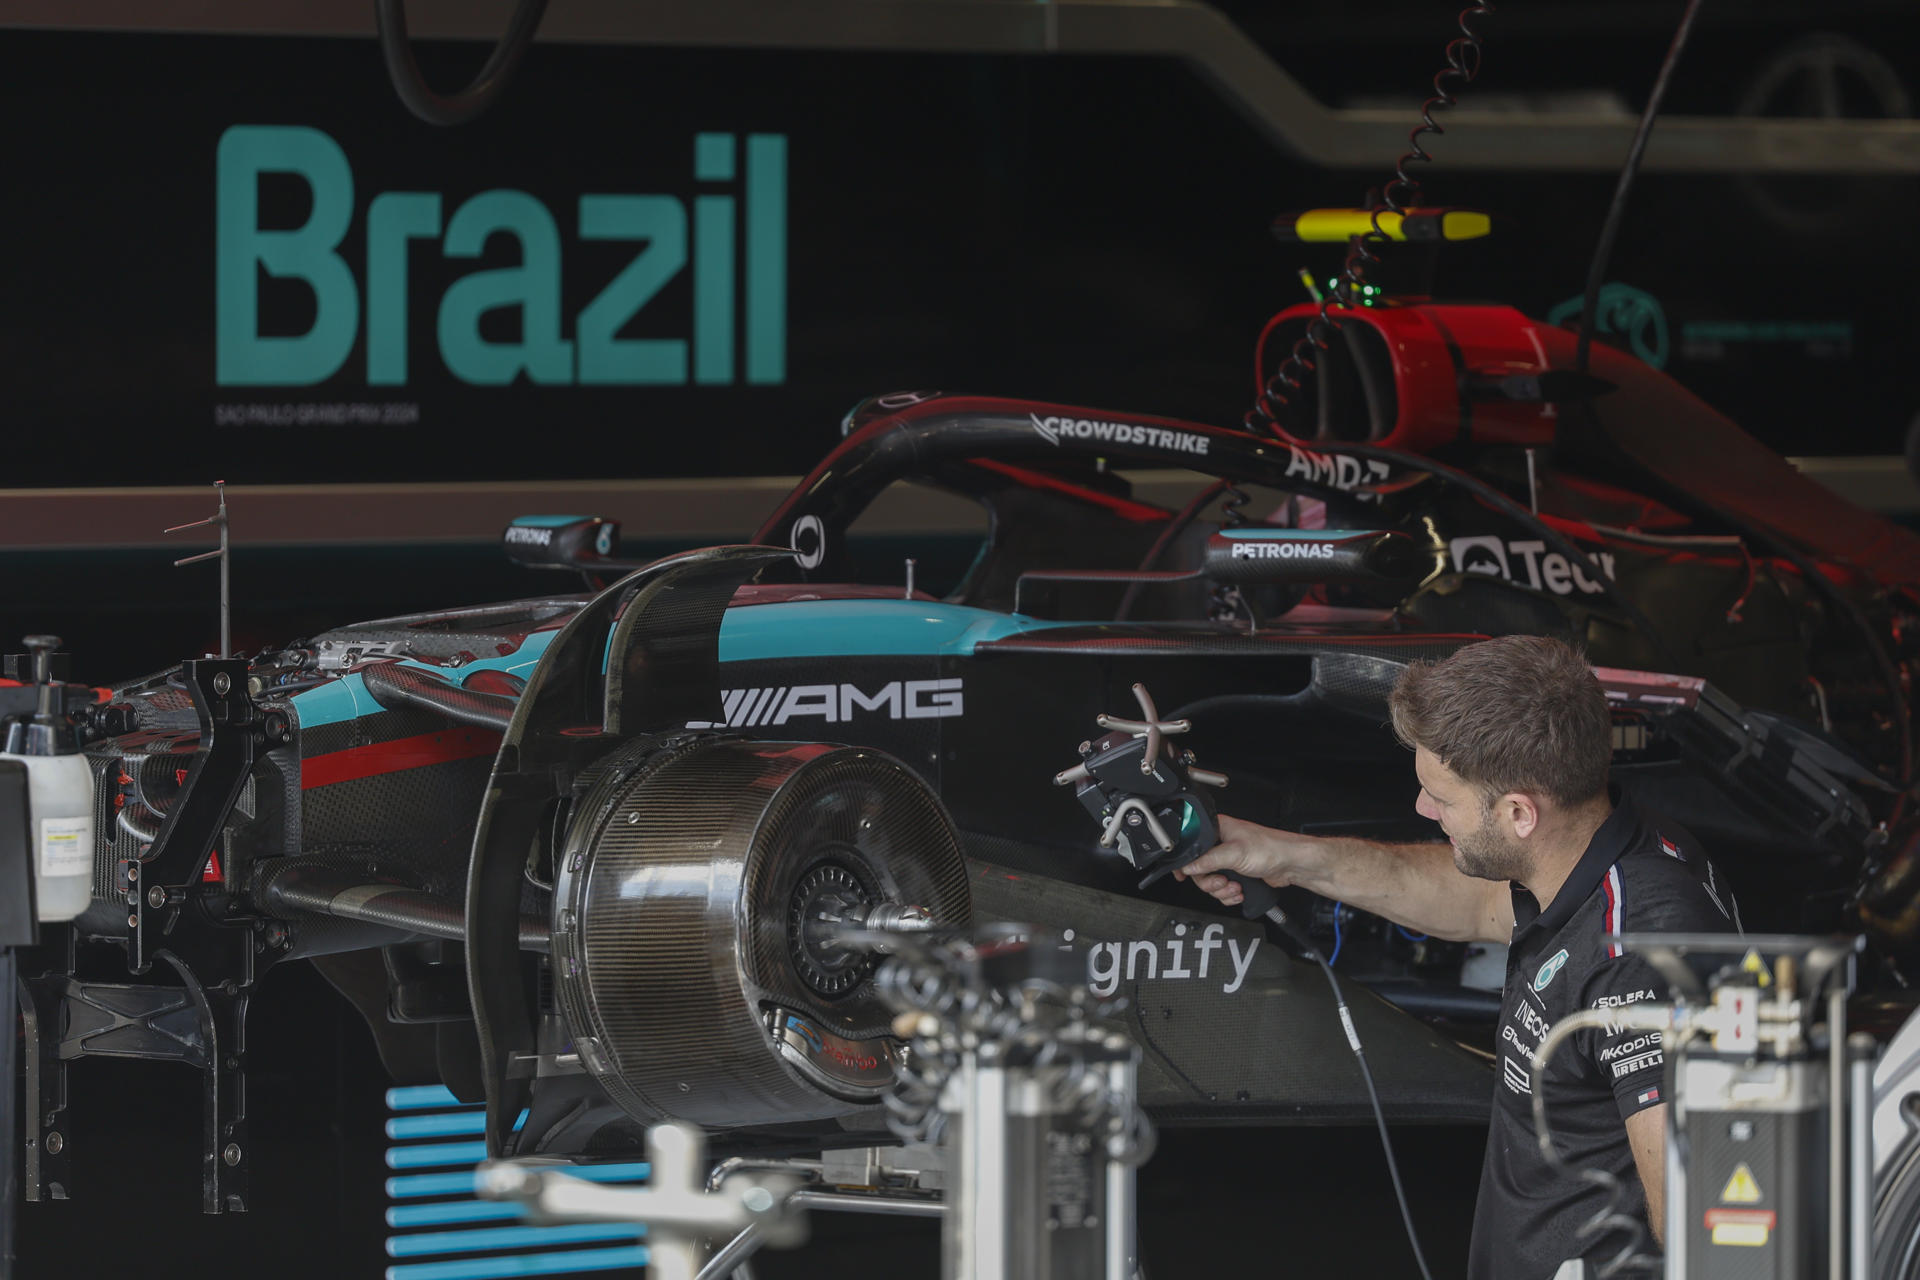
(693, 955)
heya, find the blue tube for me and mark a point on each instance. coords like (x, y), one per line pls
(440, 1124)
(550, 1264)
(446, 1212)
(429, 1154)
(416, 1097)
(1338, 938)
(464, 1183)
(487, 1238)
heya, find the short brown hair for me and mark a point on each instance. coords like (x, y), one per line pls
(1518, 713)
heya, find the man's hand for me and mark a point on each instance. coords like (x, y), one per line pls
(1415, 885)
(1257, 852)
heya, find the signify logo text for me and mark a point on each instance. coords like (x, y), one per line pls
(548, 350)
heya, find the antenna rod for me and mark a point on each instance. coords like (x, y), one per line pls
(221, 553)
(226, 595)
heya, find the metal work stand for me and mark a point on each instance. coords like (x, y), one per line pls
(18, 928)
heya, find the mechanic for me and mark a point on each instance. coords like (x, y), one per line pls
(1512, 740)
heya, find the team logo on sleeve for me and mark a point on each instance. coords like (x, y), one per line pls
(1548, 971)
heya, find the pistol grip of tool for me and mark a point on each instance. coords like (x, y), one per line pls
(1260, 897)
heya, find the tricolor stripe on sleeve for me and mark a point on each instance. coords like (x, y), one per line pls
(1615, 908)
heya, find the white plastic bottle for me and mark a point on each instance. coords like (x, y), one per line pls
(60, 806)
(59, 800)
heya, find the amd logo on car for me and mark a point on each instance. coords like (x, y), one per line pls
(1278, 550)
(834, 703)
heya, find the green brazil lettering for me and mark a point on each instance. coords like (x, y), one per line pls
(395, 220)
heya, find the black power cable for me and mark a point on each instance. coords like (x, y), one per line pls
(1308, 950)
(1603, 252)
(391, 18)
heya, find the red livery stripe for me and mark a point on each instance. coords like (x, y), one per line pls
(392, 757)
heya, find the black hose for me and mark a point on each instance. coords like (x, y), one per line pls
(395, 685)
(1306, 948)
(1172, 530)
(322, 891)
(1603, 252)
(391, 16)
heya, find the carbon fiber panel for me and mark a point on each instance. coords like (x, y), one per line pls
(127, 815)
(1233, 1029)
(412, 824)
(436, 636)
(675, 923)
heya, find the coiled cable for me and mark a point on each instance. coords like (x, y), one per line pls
(1050, 1026)
(1463, 55)
(1633, 1254)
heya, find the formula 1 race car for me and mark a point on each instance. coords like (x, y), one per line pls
(598, 855)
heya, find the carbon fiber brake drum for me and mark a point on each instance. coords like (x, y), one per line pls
(693, 959)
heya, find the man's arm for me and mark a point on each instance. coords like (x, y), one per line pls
(1647, 1135)
(1415, 885)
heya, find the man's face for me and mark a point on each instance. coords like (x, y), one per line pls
(1483, 846)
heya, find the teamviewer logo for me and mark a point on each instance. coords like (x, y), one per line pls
(1480, 555)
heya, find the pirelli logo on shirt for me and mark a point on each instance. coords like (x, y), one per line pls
(1627, 1066)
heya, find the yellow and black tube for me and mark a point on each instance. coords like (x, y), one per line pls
(1426, 225)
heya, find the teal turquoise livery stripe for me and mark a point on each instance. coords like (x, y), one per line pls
(756, 633)
(546, 522)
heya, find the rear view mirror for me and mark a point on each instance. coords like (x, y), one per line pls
(562, 542)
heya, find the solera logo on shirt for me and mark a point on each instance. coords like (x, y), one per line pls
(1543, 979)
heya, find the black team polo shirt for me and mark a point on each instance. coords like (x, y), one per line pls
(1641, 873)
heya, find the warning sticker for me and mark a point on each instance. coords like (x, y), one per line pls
(1750, 1228)
(66, 846)
(1754, 965)
(1741, 1188)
